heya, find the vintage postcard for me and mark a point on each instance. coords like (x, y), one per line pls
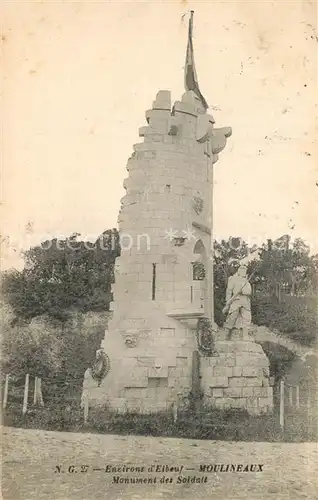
(159, 252)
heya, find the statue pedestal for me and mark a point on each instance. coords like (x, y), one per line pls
(237, 378)
(240, 334)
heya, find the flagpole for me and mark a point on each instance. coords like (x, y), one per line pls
(190, 75)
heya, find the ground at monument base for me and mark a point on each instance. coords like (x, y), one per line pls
(30, 458)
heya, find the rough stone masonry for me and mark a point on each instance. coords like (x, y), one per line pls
(165, 224)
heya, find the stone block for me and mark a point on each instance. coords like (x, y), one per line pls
(218, 382)
(237, 371)
(228, 402)
(265, 403)
(185, 383)
(237, 335)
(233, 392)
(134, 393)
(241, 361)
(221, 335)
(269, 392)
(180, 361)
(133, 383)
(222, 371)
(148, 115)
(251, 371)
(239, 403)
(217, 361)
(162, 101)
(175, 372)
(252, 382)
(138, 377)
(166, 332)
(242, 346)
(207, 371)
(161, 342)
(237, 382)
(229, 361)
(143, 131)
(165, 277)
(158, 372)
(225, 346)
(217, 402)
(218, 393)
(168, 359)
(246, 360)
(152, 137)
(146, 361)
(252, 402)
(152, 406)
(150, 155)
(248, 346)
(119, 404)
(173, 382)
(157, 383)
(261, 392)
(248, 392)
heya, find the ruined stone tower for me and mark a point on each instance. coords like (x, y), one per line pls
(164, 275)
(165, 229)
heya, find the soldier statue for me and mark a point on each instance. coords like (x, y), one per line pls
(238, 305)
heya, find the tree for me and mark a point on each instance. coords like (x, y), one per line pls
(43, 325)
(64, 275)
(286, 267)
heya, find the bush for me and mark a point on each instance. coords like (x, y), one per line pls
(68, 418)
(294, 316)
(157, 424)
(49, 348)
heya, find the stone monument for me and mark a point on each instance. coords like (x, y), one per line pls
(164, 275)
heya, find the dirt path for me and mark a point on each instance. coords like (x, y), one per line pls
(30, 458)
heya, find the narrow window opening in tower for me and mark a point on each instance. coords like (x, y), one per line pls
(168, 188)
(153, 281)
(191, 293)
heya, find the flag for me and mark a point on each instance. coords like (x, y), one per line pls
(190, 74)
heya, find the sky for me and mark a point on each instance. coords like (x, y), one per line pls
(77, 78)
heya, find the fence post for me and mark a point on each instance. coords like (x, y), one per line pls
(25, 396)
(290, 392)
(40, 392)
(35, 390)
(297, 397)
(85, 410)
(308, 402)
(6, 389)
(281, 405)
(37, 397)
(175, 408)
